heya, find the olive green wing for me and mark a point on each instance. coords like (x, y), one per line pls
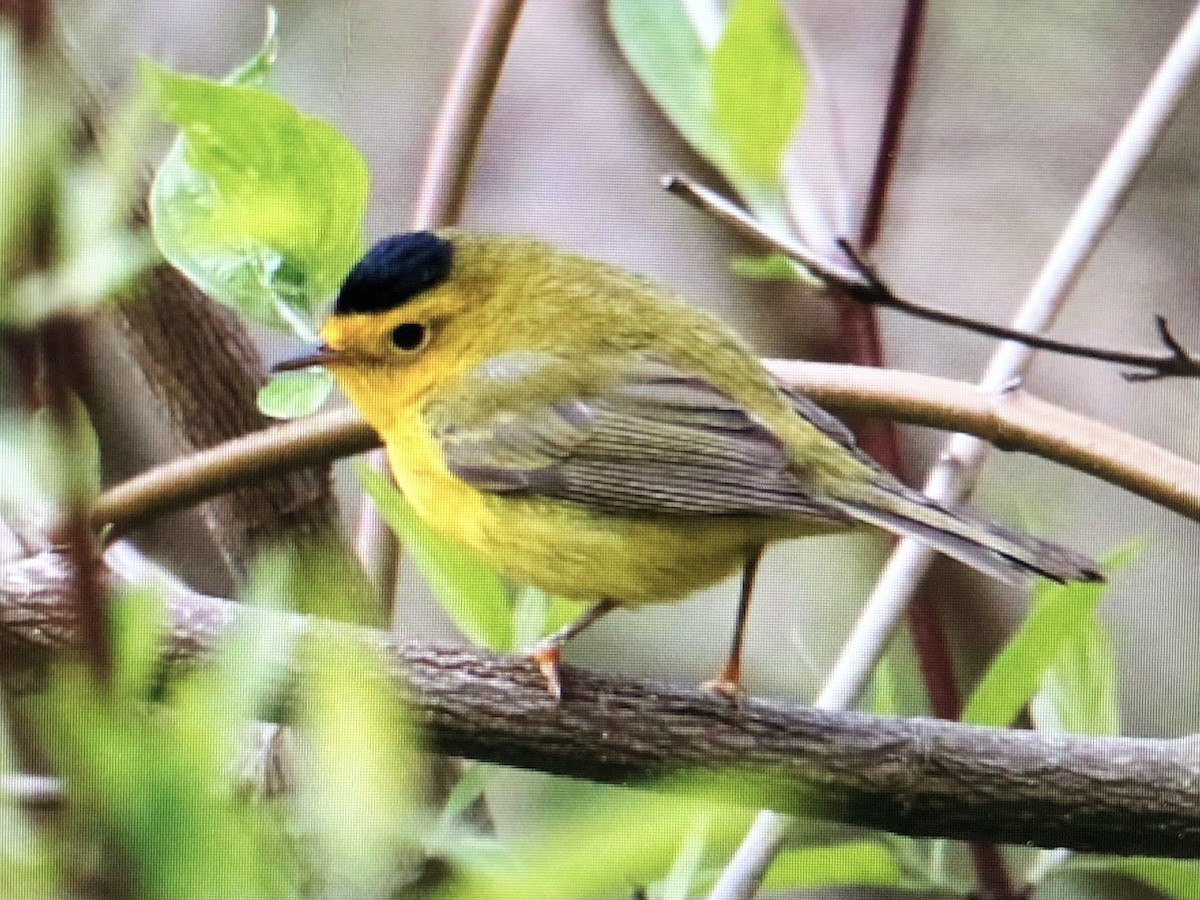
(648, 438)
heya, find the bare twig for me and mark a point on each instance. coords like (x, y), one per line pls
(443, 187)
(911, 776)
(862, 283)
(1013, 420)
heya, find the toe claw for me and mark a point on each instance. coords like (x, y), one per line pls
(548, 660)
(730, 690)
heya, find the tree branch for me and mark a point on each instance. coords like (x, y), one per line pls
(1012, 420)
(861, 283)
(911, 776)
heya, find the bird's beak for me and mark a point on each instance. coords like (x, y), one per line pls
(322, 355)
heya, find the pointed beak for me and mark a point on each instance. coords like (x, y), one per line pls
(322, 355)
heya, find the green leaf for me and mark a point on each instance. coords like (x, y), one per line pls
(1173, 877)
(1059, 615)
(1078, 693)
(604, 842)
(758, 84)
(358, 796)
(35, 121)
(471, 593)
(882, 689)
(289, 395)
(769, 267)
(136, 616)
(857, 863)
(680, 881)
(259, 205)
(47, 463)
(661, 45)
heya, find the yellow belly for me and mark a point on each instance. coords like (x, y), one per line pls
(574, 552)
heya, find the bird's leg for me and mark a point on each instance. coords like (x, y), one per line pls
(728, 682)
(547, 652)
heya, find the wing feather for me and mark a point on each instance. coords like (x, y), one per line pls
(652, 439)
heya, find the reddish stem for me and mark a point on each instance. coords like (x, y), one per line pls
(858, 328)
(62, 349)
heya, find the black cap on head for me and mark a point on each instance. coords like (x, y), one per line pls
(394, 271)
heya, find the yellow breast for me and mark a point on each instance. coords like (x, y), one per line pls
(564, 548)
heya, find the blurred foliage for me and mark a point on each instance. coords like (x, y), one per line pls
(1061, 616)
(64, 240)
(48, 462)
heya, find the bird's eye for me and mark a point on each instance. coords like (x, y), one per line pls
(410, 336)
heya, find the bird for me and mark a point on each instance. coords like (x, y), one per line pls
(587, 431)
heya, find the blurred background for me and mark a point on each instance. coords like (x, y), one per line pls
(1013, 108)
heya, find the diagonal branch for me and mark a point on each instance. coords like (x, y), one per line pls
(911, 776)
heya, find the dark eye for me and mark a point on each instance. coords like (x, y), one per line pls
(409, 336)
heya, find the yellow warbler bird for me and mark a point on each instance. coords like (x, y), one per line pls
(583, 430)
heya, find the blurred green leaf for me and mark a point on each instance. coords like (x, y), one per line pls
(35, 118)
(882, 690)
(46, 463)
(1059, 614)
(770, 267)
(290, 395)
(758, 85)
(1078, 693)
(136, 622)
(154, 792)
(661, 45)
(680, 881)
(1172, 877)
(854, 863)
(603, 843)
(537, 614)
(258, 204)
(470, 786)
(358, 796)
(472, 593)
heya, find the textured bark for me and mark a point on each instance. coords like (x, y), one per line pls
(911, 776)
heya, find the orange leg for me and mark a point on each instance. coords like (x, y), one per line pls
(728, 682)
(547, 652)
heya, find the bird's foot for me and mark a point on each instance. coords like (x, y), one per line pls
(730, 690)
(548, 658)
(727, 684)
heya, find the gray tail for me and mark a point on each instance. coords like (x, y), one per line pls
(967, 537)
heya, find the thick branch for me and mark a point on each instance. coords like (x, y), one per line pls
(1013, 420)
(910, 776)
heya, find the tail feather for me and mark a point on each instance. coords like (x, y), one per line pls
(993, 549)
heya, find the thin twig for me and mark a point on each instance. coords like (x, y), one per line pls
(448, 166)
(1012, 420)
(912, 776)
(860, 282)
